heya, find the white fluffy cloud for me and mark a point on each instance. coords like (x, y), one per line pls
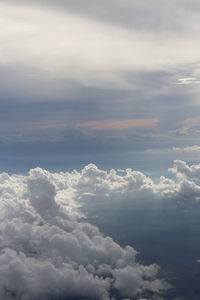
(95, 183)
(98, 182)
(188, 187)
(46, 253)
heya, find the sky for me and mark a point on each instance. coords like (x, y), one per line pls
(99, 123)
(115, 83)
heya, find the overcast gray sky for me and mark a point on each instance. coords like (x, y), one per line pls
(100, 81)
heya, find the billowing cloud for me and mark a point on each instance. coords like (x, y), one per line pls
(46, 253)
(94, 183)
(187, 187)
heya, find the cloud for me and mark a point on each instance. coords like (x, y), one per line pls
(128, 14)
(93, 183)
(187, 149)
(187, 187)
(183, 170)
(188, 153)
(119, 124)
(195, 121)
(92, 49)
(189, 127)
(188, 80)
(47, 253)
(22, 128)
(79, 63)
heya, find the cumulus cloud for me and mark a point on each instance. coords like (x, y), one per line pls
(94, 183)
(47, 253)
(186, 187)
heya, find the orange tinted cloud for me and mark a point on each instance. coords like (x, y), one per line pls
(119, 124)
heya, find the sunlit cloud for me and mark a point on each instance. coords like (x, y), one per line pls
(188, 80)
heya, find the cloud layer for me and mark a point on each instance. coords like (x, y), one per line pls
(94, 47)
(116, 69)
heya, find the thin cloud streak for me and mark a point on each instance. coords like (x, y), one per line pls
(189, 122)
(14, 127)
(119, 124)
(187, 149)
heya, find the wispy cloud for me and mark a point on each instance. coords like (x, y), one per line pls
(187, 149)
(92, 50)
(187, 123)
(188, 80)
(17, 128)
(119, 124)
